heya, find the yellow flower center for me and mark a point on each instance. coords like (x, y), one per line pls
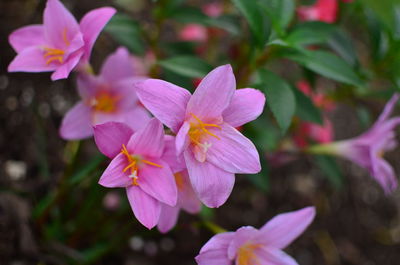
(246, 255)
(134, 163)
(105, 102)
(56, 55)
(198, 130)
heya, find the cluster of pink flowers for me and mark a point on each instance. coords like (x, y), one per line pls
(196, 162)
(322, 10)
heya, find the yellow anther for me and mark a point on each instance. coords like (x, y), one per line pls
(53, 55)
(198, 130)
(179, 180)
(151, 163)
(65, 37)
(246, 255)
(104, 102)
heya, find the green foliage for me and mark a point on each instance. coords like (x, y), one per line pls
(306, 109)
(330, 169)
(187, 66)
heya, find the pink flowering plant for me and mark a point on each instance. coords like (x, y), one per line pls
(155, 127)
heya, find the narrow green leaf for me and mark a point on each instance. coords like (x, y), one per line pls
(126, 31)
(341, 43)
(326, 64)
(188, 66)
(307, 33)
(306, 109)
(89, 167)
(332, 171)
(280, 98)
(281, 12)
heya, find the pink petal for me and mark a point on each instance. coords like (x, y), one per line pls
(118, 66)
(87, 86)
(114, 175)
(384, 175)
(387, 111)
(59, 24)
(136, 118)
(269, 255)
(26, 37)
(30, 60)
(214, 252)
(110, 137)
(65, 69)
(233, 152)
(158, 182)
(246, 105)
(166, 101)
(145, 208)
(92, 24)
(148, 141)
(213, 257)
(187, 198)
(242, 236)
(214, 93)
(169, 155)
(284, 228)
(76, 124)
(212, 184)
(168, 218)
(182, 138)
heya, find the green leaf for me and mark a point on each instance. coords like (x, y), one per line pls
(281, 13)
(341, 43)
(188, 66)
(326, 64)
(332, 171)
(226, 22)
(88, 167)
(280, 98)
(387, 11)
(306, 109)
(252, 12)
(187, 14)
(126, 31)
(307, 33)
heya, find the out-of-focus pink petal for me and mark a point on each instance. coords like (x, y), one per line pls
(168, 218)
(146, 209)
(137, 118)
(182, 138)
(65, 69)
(246, 105)
(211, 184)
(148, 141)
(193, 32)
(114, 175)
(164, 100)
(242, 235)
(92, 24)
(110, 137)
(388, 108)
(187, 198)
(25, 37)
(214, 93)
(59, 24)
(30, 60)
(118, 66)
(170, 156)
(159, 182)
(76, 124)
(273, 256)
(284, 228)
(233, 152)
(384, 174)
(215, 251)
(87, 86)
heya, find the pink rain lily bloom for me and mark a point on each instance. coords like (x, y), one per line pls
(367, 150)
(187, 199)
(322, 10)
(110, 96)
(250, 246)
(60, 44)
(137, 165)
(205, 124)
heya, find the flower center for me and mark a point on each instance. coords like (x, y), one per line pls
(134, 162)
(105, 102)
(56, 55)
(246, 255)
(198, 131)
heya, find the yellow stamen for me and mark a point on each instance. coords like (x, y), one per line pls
(53, 55)
(65, 37)
(202, 126)
(179, 180)
(133, 164)
(246, 255)
(105, 102)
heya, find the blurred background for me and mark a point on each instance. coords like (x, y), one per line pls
(52, 211)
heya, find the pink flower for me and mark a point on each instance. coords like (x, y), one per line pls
(213, 9)
(316, 133)
(205, 124)
(60, 43)
(322, 10)
(193, 32)
(248, 246)
(367, 149)
(137, 165)
(107, 97)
